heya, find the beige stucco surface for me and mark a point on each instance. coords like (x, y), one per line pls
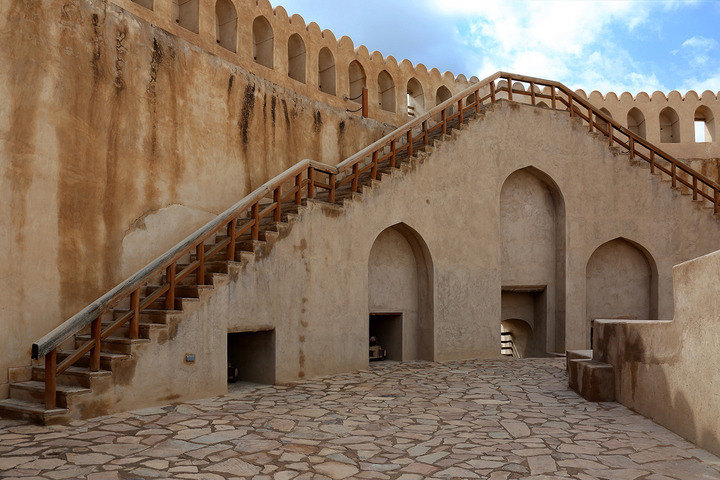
(668, 370)
(312, 284)
(117, 139)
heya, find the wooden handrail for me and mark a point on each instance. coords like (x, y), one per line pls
(246, 214)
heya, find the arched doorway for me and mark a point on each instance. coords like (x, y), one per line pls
(400, 294)
(620, 283)
(532, 249)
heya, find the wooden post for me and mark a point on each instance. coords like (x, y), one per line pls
(95, 332)
(51, 379)
(373, 170)
(311, 182)
(331, 195)
(135, 318)
(200, 254)
(365, 106)
(409, 141)
(392, 151)
(552, 97)
(425, 132)
(510, 88)
(278, 202)
(355, 178)
(674, 175)
(610, 135)
(298, 189)
(477, 100)
(532, 93)
(570, 105)
(170, 275)
(717, 201)
(444, 120)
(695, 190)
(632, 147)
(460, 111)
(231, 245)
(492, 91)
(590, 120)
(652, 161)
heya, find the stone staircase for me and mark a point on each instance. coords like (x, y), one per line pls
(79, 386)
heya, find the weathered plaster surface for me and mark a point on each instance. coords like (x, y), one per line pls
(668, 370)
(106, 122)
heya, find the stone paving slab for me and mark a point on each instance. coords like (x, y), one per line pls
(492, 419)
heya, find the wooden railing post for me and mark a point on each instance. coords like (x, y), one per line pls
(51, 379)
(298, 189)
(632, 148)
(610, 134)
(532, 93)
(461, 113)
(200, 254)
(510, 88)
(717, 201)
(695, 189)
(652, 161)
(134, 330)
(570, 104)
(170, 275)
(425, 132)
(331, 195)
(231, 245)
(311, 182)
(365, 107)
(409, 141)
(95, 332)
(674, 174)
(255, 213)
(444, 120)
(277, 200)
(477, 101)
(590, 120)
(552, 98)
(392, 152)
(373, 170)
(355, 175)
(492, 91)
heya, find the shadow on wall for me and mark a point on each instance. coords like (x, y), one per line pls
(641, 352)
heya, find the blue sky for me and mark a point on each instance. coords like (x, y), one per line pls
(595, 45)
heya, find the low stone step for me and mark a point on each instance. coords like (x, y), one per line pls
(33, 411)
(144, 330)
(151, 315)
(34, 391)
(76, 376)
(108, 360)
(594, 381)
(114, 344)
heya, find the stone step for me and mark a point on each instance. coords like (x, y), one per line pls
(151, 315)
(594, 381)
(33, 411)
(34, 391)
(108, 360)
(114, 344)
(75, 376)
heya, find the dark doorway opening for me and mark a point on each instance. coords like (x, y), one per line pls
(387, 329)
(252, 354)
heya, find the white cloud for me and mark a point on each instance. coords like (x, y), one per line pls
(570, 41)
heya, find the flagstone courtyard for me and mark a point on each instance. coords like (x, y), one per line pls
(491, 419)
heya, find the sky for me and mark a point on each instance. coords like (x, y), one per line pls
(609, 45)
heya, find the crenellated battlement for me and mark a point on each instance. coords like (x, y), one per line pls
(302, 57)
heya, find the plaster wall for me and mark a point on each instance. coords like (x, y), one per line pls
(668, 370)
(619, 283)
(117, 139)
(317, 274)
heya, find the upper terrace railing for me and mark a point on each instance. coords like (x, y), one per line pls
(302, 180)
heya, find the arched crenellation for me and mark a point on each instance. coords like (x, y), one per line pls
(636, 122)
(386, 91)
(326, 71)
(187, 14)
(415, 98)
(704, 125)
(621, 283)
(297, 58)
(226, 25)
(532, 256)
(400, 288)
(357, 80)
(263, 38)
(669, 125)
